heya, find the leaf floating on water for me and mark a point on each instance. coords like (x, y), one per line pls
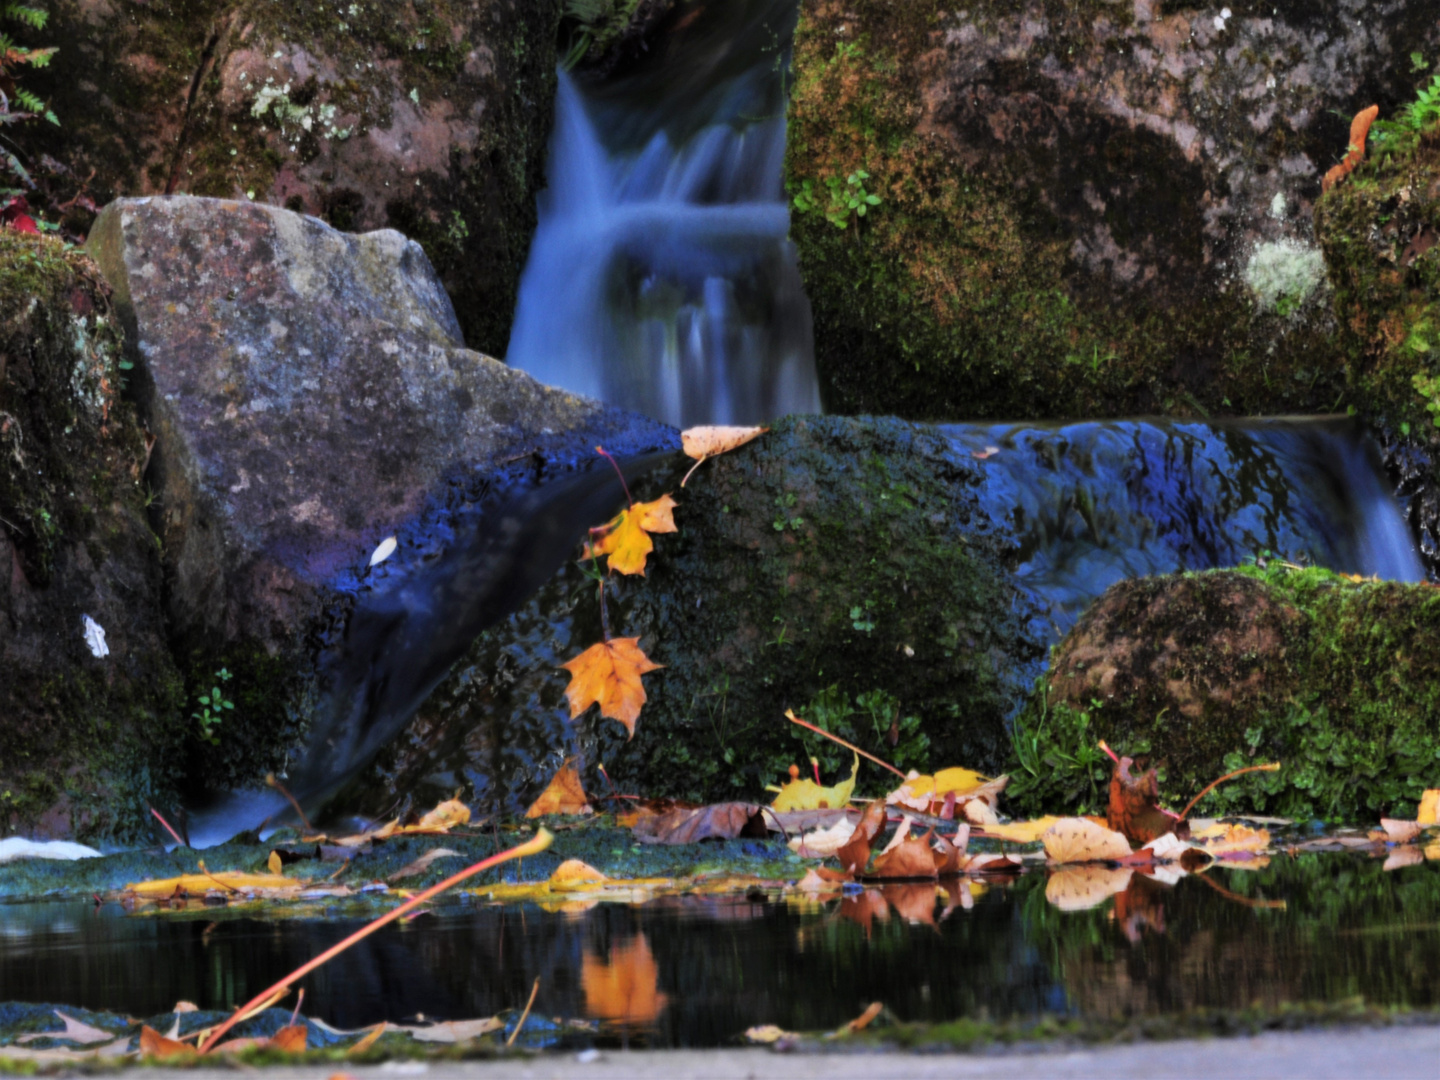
(719, 821)
(563, 795)
(911, 859)
(1080, 840)
(199, 884)
(574, 874)
(806, 794)
(1022, 832)
(626, 538)
(608, 674)
(823, 842)
(1236, 837)
(383, 550)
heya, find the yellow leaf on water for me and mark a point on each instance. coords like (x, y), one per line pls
(608, 674)
(1429, 808)
(573, 874)
(921, 792)
(1236, 837)
(564, 795)
(626, 538)
(202, 883)
(1080, 840)
(1022, 832)
(805, 794)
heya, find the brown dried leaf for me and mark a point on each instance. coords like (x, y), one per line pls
(912, 860)
(722, 821)
(855, 855)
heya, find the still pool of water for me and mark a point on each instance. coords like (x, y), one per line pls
(697, 971)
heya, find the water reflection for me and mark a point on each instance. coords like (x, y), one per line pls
(696, 971)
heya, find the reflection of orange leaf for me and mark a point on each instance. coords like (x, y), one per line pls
(624, 990)
(1359, 132)
(626, 539)
(608, 674)
(913, 903)
(565, 795)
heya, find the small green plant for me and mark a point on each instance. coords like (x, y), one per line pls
(1427, 386)
(213, 707)
(783, 518)
(848, 199)
(1060, 763)
(863, 618)
(16, 104)
(1401, 130)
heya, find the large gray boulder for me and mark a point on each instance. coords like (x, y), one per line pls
(309, 394)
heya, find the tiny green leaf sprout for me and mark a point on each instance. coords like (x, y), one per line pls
(848, 199)
(213, 706)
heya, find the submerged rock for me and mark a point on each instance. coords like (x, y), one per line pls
(1092, 209)
(1337, 680)
(428, 118)
(90, 699)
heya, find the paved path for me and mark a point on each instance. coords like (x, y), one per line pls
(1399, 1053)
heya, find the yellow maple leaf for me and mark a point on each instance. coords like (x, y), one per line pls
(608, 674)
(921, 792)
(564, 795)
(806, 794)
(1022, 832)
(626, 539)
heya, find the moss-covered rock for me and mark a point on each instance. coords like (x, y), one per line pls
(1085, 209)
(430, 117)
(86, 740)
(841, 568)
(1337, 680)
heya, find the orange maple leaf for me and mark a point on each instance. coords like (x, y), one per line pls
(564, 795)
(626, 539)
(608, 674)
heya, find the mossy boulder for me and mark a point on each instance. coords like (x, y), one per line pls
(844, 569)
(429, 117)
(1086, 209)
(1336, 679)
(88, 735)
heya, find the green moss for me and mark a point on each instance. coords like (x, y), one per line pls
(1347, 703)
(1379, 230)
(957, 295)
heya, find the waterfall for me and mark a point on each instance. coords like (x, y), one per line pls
(660, 278)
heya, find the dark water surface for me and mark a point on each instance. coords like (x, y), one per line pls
(693, 971)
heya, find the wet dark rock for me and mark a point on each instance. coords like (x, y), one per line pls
(1338, 681)
(844, 569)
(429, 118)
(86, 740)
(1089, 209)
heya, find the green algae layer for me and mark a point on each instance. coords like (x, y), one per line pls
(1201, 674)
(840, 568)
(1380, 230)
(85, 741)
(957, 294)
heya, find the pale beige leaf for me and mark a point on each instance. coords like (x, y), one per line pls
(765, 1034)
(1080, 840)
(703, 442)
(1079, 888)
(573, 875)
(452, 1031)
(75, 1031)
(823, 843)
(1400, 832)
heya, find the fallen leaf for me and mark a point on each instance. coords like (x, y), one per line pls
(1134, 807)
(864, 909)
(765, 1034)
(913, 903)
(290, 1039)
(855, 855)
(274, 864)
(199, 884)
(153, 1044)
(814, 884)
(702, 442)
(452, 1031)
(626, 539)
(623, 989)
(720, 821)
(563, 795)
(185, 1007)
(1403, 855)
(445, 816)
(950, 857)
(993, 864)
(1237, 837)
(369, 1039)
(420, 865)
(861, 1022)
(1429, 813)
(1079, 888)
(574, 874)
(900, 835)
(608, 674)
(912, 859)
(1079, 840)
(805, 794)
(1021, 832)
(980, 812)
(921, 792)
(1167, 848)
(823, 842)
(74, 1031)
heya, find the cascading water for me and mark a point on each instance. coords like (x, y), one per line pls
(660, 278)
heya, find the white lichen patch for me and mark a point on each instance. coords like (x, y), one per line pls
(1283, 274)
(272, 102)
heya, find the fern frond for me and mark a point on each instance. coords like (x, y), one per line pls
(33, 17)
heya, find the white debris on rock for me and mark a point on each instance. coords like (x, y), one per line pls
(17, 848)
(95, 638)
(384, 550)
